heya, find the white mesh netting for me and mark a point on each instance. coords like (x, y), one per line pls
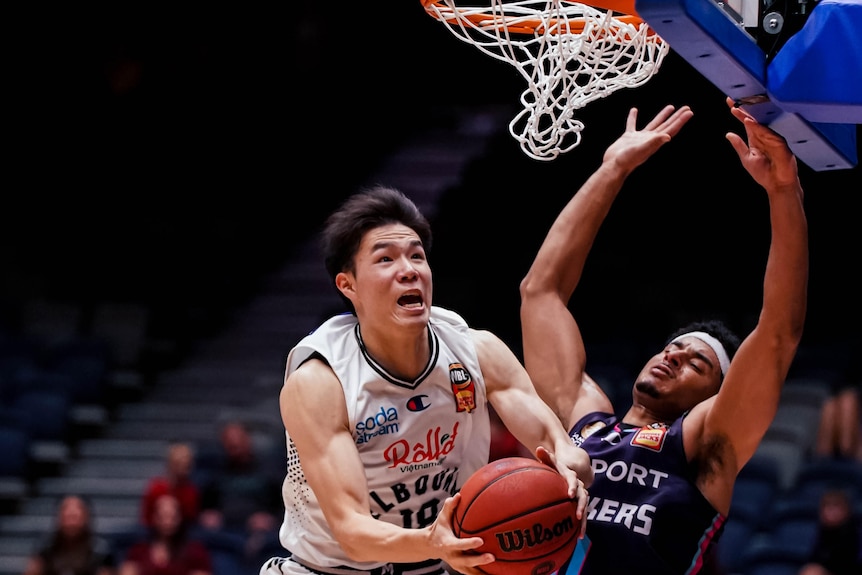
(569, 53)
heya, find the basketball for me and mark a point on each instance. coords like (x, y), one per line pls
(521, 509)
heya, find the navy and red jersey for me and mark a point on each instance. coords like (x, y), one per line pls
(646, 515)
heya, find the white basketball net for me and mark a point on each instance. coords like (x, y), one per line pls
(569, 53)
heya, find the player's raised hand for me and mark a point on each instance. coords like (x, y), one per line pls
(766, 156)
(635, 146)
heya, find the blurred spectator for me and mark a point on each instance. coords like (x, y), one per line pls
(72, 548)
(840, 432)
(167, 549)
(837, 548)
(242, 494)
(177, 480)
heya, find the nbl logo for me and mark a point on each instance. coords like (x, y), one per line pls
(463, 387)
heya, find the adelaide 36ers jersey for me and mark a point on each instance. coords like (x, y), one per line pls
(419, 440)
(646, 515)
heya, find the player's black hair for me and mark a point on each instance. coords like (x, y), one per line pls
(369, 209)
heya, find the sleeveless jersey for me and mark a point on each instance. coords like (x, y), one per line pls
(646, 515)
(419, 440)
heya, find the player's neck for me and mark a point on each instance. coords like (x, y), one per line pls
(639, 416)
(403, 354)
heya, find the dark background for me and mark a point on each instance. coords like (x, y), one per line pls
(176, 156)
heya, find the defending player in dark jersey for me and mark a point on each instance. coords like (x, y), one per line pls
(664, 472)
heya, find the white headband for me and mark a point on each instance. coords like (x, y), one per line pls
(723, 358)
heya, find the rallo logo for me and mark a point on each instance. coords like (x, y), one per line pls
(436, 445)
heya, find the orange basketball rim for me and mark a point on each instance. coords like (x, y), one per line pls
(488, 20)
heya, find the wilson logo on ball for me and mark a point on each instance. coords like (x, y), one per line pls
(517, 540)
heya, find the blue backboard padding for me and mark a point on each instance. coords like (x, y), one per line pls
(821, 146)
(724, 53)
(718, 48)
(818, 71)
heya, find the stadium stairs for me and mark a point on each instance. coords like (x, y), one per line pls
(236, 374)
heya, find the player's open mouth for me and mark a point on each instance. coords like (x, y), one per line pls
(410, 301)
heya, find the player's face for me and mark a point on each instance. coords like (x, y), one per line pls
(679, 377)
(392, 281)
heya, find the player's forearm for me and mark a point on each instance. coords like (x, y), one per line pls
(562, 256)
(534, 424)
(786, 279)
(368, 539)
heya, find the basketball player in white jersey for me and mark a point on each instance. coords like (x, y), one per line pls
(386, 410)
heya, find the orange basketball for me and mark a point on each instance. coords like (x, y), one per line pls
(520, 507)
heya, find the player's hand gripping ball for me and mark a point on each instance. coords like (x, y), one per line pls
(521, 509)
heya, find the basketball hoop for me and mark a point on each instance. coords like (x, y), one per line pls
(569, 53)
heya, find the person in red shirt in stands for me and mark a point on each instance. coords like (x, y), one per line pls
(167, 548)
(177, 480)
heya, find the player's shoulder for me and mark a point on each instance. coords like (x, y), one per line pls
(444, 316)
(342, 321)
(454, 328)
(313, 368)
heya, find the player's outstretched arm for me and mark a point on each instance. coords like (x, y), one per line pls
(553, 349)
(748, 399)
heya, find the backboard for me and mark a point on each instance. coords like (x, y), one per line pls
(795, 65)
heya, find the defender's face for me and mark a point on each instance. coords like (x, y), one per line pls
(682, 375)
(392, 278)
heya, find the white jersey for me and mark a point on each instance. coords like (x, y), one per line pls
(419, 440)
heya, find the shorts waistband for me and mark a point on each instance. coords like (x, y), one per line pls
(430, 567)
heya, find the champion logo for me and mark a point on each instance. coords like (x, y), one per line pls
(418, 403)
